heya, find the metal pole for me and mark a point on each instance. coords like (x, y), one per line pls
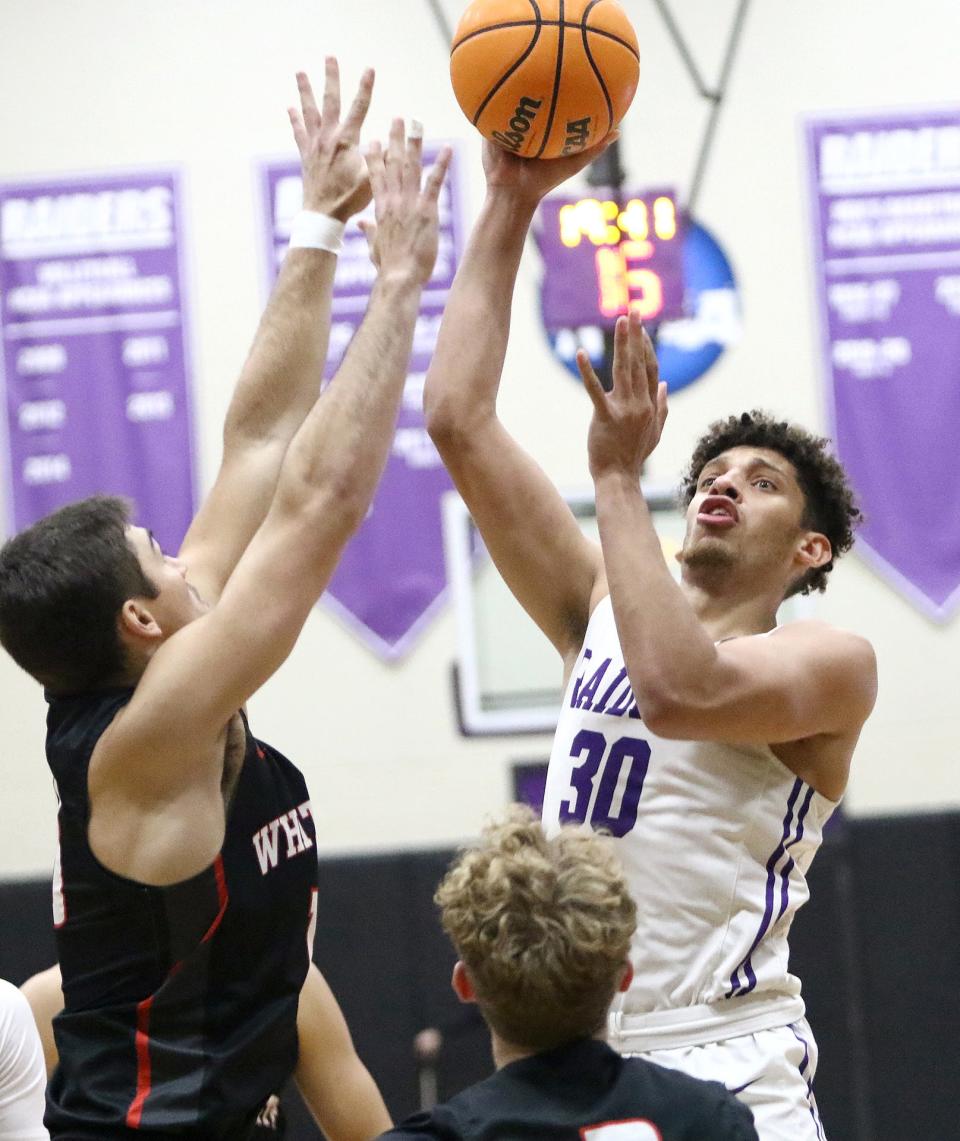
(443, 24)
(681, 44)
(716, 98)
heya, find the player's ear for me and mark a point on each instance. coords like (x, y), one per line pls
(626, 978)
(814, 550)
(462, 983)
(136, 621)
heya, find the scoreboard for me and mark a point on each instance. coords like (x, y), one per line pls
(604, 258)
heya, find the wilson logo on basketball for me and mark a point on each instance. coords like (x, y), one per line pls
(578, 131)
(519, 125)
(567, 60)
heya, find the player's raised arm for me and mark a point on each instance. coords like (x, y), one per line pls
(529, 530)
(804, 680)
(197, 678)
(281, 378)
(334, 1082)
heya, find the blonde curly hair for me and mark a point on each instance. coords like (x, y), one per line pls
(542, 926)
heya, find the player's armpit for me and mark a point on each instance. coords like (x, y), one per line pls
(335, 1084)
(803, 680)
(550, 566)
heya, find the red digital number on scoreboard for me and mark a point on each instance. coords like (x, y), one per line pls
(623, 235)
(605, 258)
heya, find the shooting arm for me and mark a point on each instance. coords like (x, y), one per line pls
(530, 532)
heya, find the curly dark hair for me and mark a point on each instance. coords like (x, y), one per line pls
(830, 505)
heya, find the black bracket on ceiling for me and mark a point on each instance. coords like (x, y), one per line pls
(443, 24)
(714, 95)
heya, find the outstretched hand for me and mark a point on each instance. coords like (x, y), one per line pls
(335, 179)
(532, 178)
(405, 237)
(628, 420)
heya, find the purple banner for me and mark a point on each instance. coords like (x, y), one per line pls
(391, 578)
(94, 354)
(886, 216)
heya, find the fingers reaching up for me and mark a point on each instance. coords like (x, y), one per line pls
(335, 179)
(406, 235)
(437, 176)
(627, 421)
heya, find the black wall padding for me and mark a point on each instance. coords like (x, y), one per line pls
(907, 876)
(825, 955)
(877, 947)
(26, 929)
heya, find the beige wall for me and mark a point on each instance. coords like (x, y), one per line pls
(203, 84)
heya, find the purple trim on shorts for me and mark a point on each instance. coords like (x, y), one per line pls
(790, 864)
(740, 1089)
(806, 1051)
(811, 1101)
(735, 984)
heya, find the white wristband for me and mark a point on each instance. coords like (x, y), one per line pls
(312, 231)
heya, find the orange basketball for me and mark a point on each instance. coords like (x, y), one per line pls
(544, 78)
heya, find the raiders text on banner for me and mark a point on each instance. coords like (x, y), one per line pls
(886, 216)
(94, 355)
(391, 578)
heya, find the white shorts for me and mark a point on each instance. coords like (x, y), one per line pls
(771, 1071)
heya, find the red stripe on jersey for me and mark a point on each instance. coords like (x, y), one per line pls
(223, 896)
(135, 1112)
(142, 1038)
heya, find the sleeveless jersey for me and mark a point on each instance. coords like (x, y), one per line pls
(715, 840)
(180, 1001)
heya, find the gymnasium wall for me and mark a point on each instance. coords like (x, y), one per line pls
(102, 85)
(881, 996)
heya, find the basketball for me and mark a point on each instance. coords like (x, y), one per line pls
(544, 78)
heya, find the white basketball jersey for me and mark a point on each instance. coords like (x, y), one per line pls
(715, 840)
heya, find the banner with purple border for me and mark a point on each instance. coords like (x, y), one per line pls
(886, 219)
(94, 354)
(392, 577)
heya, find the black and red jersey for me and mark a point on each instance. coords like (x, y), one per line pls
(180, 1001)
(584, 1091)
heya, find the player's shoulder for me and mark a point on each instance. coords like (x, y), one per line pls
(699, 1108)
(826, 640)
(10, 997)
(437, 1124)
(15, 1014)
(817, 628)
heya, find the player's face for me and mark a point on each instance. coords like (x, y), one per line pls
(748, 509)
(177, 602)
